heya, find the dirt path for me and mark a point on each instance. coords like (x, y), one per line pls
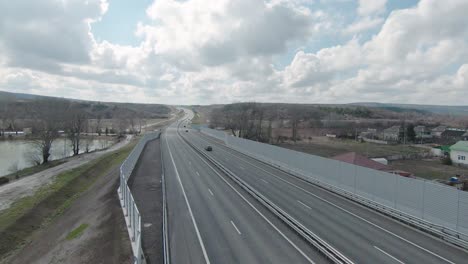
(105, 240)
(11, 192)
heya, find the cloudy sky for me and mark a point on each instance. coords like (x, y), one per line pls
(221, 51)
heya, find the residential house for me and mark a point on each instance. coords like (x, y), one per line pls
(422, 132)
(452, 134)
(459, 153)
(394, 133)
(359, 160)
(465, 136)
(370, 133)
(437, 131)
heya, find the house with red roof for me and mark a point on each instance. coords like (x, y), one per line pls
(360, 160)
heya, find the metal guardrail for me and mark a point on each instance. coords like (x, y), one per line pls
(325, 248)
(440, 231)
(129, 207)
(165, 225)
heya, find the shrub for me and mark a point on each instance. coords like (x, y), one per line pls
(446, 161)
(4, 180)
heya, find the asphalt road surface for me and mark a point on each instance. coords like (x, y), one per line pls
(211, 220)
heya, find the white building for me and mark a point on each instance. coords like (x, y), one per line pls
(459, 153)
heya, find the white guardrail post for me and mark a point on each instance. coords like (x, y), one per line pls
(130, 210)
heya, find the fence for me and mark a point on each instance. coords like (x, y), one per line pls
(432, 202)
(129, 207)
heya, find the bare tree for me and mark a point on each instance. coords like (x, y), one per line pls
(296, 114)
(8, 117)
(98, 124)
(48, 120)
(76, 123)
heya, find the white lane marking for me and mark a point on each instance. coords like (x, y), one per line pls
(387, 254)
(256, 210)
(304, 204)
(264, 180)
(189, 208)
(242, 168)
(341, 208)
(211, 192)
(197, 173)
(234, 225)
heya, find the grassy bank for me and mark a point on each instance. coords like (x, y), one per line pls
(197, 119)
(325, 147)
(429, 169)
(35, 169)
(31, 213)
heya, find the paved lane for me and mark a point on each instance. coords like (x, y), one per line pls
(223, 224)
(359, 233)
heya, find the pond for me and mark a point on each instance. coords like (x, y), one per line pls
(20, 154)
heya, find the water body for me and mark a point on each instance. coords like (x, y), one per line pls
(19, 153)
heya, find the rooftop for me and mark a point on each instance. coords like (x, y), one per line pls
(357, 159)
(460, 146)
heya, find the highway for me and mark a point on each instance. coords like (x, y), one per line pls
(211, 220)
(215, 223)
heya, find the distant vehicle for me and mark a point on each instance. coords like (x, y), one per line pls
(208, 148)
(186, 130)
(184, 126)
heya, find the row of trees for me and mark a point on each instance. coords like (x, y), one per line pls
(254, 121)
(52, 117)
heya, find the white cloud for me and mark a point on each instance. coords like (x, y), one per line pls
(201, 32)
(42, 34)
(363, 24)
(211, 51)
(369, 7)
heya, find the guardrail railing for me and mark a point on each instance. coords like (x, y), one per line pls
(330, 252)
(130, 210)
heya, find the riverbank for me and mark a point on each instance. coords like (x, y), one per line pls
(20, 154)
(83, 196)
(11, 192)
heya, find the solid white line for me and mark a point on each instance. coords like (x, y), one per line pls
(264, 180)
(189, 208)
(304, 204)
(197, 173)
(255, 209)
(211, 192)
(397, 260)
(242, 168)
(234, 225)
(341, 208)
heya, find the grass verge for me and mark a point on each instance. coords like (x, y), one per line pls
(196, 118)
(77, 232)
(31, 213)
(35, 169)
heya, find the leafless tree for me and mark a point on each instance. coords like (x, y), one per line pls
(75, 125)
(98, 124)
(296, 115)
(48, 119)
(141, 124)
(8, 117)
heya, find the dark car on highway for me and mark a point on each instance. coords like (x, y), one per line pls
(208, 148)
